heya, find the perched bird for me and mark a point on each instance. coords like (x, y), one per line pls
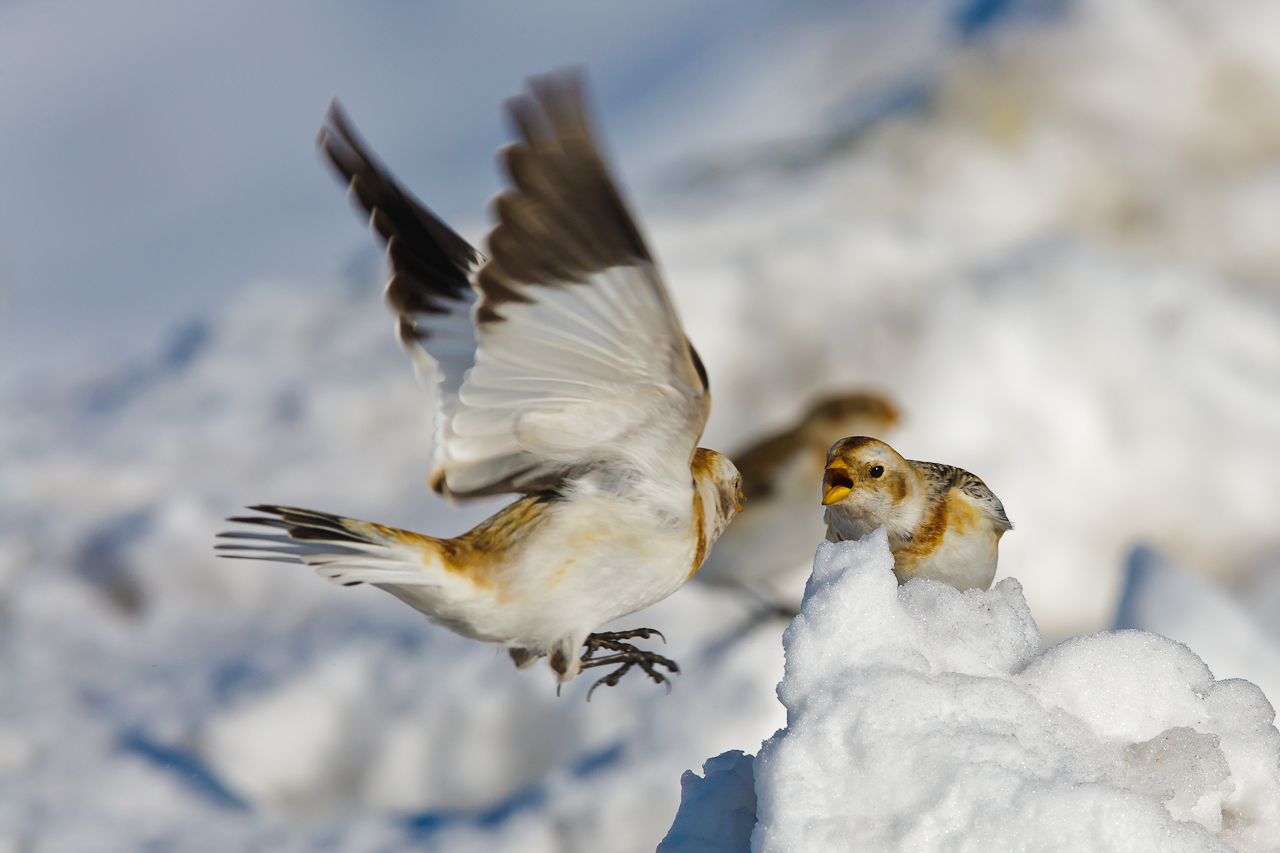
(769, 549)
(563, 375)
(943, 522)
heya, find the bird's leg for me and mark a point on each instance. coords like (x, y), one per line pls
(625, 654)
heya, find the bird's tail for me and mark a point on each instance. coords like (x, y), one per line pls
(343, 550)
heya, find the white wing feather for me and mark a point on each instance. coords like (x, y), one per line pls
(589, 373)
(565, 355)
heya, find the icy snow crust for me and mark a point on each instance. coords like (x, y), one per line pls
(1062, 264)
(717, 810)
(921, 718)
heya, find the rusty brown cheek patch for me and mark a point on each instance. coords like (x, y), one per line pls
(897, 485)
(727, 504)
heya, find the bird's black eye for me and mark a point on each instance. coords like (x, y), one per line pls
(876, 471)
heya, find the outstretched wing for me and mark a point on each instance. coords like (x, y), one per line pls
(431, 268)
(579, 360)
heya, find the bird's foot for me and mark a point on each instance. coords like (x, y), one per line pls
(612, 640)
(626, 655)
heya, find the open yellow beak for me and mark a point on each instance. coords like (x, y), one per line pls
(836, 482)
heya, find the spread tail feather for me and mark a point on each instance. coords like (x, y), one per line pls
(343, 550)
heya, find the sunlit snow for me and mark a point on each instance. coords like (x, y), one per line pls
(1054, 246)
(922, 718)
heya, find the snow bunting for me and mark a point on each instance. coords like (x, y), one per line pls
(943, 522)
(563, 374)
(769, 549)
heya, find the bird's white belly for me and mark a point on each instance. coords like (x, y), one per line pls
(965, 562)
(596, 560)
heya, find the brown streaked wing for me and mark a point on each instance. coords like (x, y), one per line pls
(972, 486)
(580, 348)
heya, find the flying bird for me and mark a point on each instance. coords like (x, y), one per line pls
(563, 375)
(943, 522)
(768, 551)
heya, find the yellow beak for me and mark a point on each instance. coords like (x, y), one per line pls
(836, 482)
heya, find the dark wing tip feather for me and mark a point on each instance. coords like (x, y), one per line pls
(353, 160)
(432, 265)
(565, 218)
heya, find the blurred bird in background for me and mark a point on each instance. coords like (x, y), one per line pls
(564, 375)
(943, 522)
(768, 552)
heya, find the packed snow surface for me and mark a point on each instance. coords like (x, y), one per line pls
(921, 718)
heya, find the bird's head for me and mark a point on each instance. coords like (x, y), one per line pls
(866, 478)
(720, 486)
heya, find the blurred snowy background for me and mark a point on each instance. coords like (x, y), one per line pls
(1049, 230)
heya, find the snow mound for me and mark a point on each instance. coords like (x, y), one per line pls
(1160, 596)
(923, 718)
(1067, 278)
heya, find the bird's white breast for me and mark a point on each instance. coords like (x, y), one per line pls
(965, 562)
(599, 557)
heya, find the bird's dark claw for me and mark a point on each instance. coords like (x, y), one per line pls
(602, 639)
(625, 654)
